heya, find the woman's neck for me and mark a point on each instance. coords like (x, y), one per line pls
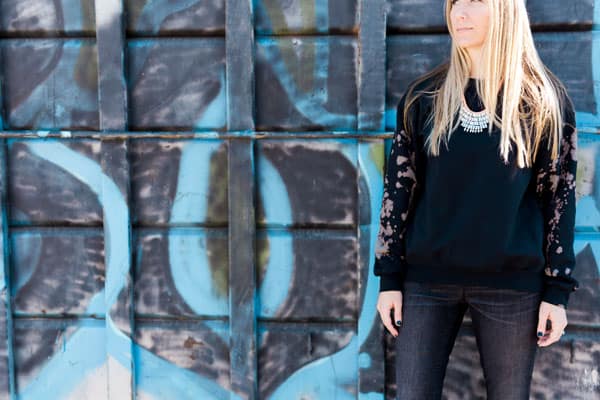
(475, 56)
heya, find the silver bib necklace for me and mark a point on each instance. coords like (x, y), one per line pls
(472, 121)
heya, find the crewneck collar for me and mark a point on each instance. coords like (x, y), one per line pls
(471, 96)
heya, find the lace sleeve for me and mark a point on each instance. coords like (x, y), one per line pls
(398, 192)
(555, 188)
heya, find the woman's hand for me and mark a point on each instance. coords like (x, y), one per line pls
(558, 317)
(388, 300)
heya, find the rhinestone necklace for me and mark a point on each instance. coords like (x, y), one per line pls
(472, 121)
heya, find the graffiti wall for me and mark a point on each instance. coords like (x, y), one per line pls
(191, 191)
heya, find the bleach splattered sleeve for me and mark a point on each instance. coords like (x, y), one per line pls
(555, 187)
(399, 184)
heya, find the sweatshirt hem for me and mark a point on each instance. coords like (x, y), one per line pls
(524, 280)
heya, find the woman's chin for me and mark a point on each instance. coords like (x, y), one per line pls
(466, 44)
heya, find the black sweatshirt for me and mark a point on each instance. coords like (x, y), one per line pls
(465, 217)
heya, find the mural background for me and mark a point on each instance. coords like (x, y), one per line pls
(191, 190)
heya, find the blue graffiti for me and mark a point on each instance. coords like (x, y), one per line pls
(119, 346)
(154, 13)
(189, 264)
(278, 273)
(305, 102)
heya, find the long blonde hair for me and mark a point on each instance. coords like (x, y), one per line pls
(531, 94)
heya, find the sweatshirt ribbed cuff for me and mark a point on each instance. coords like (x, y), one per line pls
(556, 296)
(393, 281)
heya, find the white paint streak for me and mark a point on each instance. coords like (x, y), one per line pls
(107, 11)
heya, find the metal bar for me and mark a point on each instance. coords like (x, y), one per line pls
(239, 48)
(239, 45)
(371, 112)
(242, 271)
(7, 369)
(371, 89)
(115, 195)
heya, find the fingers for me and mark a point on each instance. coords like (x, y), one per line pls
(387, 303)
(551, 336)
(542, 323)
(398, 314)
(387, 322)
(558, 321)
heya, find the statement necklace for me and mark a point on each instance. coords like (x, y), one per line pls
(472, 121)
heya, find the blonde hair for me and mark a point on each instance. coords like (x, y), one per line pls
(531, 95)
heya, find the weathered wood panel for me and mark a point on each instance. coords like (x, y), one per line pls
(176, 84)
(307, 183)
(307, 361)
(278, 17)
(307, 275)
(58, 271)
(61, 359)
(428, 15)
(179, 182)
(171, 18)
(47, 18)
(50, 83)
(182, 273)
(306, 83)
(41, 192)
(409, 56)
(182, 360)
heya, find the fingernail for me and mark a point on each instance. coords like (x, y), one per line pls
(540, 333)
(398, 322)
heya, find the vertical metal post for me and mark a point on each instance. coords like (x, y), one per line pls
(112, 108)
(7, 370)
(242, 268)
(371, 111)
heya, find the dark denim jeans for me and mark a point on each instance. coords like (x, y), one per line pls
(504, 321)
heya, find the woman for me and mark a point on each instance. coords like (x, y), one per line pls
(478, 208)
